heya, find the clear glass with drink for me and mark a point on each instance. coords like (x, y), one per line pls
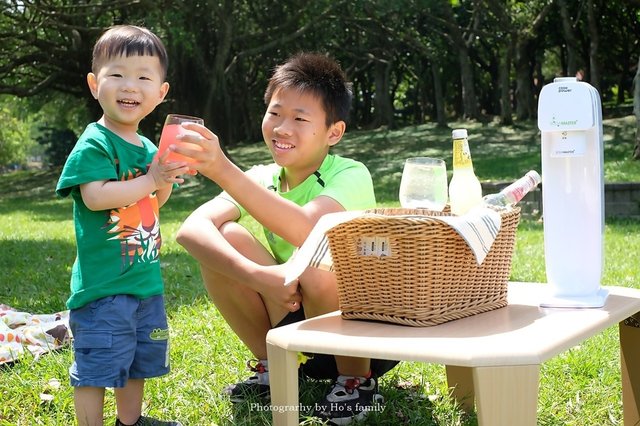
(424, 184)
(172, 128)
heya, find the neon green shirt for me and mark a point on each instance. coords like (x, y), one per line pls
(345, 180)
(117, 250)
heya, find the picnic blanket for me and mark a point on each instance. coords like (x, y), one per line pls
(23, 332)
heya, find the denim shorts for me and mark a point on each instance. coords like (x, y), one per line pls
(117, 338)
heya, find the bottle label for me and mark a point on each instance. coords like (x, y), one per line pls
(461, 154)
(517, 190)
(517, 194)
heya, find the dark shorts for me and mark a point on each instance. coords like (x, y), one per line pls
(323, 366)
(117, 338)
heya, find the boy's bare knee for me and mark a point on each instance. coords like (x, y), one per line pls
(185, 235)
(181, 237)
(319, 291)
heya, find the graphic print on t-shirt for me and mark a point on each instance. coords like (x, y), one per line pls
(137, 226)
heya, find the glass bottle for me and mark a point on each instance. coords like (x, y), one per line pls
(465, 191)
(513, 193)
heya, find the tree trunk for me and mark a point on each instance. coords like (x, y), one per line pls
(504, 72)
(525, 102)
(594, 45)
(636, 110)
(217, 101)
(438, 94)
(522, 40)
(505, 51)
(570, 38)
(383, 105)
(469, 98)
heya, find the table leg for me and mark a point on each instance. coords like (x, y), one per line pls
(283, 379)
(630, 369)
(506, 396)
(460, 381)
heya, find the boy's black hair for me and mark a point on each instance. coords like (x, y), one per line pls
(129, 40)
(318, 74)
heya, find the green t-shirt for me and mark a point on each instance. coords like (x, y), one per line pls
(345, 180)
(117, 250)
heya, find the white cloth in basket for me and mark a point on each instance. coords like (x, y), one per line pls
(479, 228)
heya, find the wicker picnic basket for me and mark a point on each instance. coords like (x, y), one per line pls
(426, 273)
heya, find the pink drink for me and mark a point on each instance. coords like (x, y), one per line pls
(168, 137)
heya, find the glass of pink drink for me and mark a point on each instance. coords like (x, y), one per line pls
(172, 128)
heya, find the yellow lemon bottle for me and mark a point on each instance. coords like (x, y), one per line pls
(465, 191)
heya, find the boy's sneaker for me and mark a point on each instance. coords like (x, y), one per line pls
(350, 398)
(149, 421)
(256, 386)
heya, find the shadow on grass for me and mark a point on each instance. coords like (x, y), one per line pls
(31, 185)
(32, 193)
(403, 406)
(43, 210)
(35, 265)
(36, 273)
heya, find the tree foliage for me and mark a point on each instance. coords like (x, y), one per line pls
(14, 138)
(636, 110)
(58, 143)
(410, 61)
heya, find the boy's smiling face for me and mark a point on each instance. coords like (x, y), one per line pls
(128, 88)
(295, 131)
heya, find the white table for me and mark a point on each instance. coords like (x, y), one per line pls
(491, 358)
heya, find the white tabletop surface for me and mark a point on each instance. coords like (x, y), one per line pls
(520, 334)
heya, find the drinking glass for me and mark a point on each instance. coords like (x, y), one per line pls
(424, 184)
(172, 128)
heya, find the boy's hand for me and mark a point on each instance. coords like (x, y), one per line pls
(209, 157)
(166, 173)
(287, 297)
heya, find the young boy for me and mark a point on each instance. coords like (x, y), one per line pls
(116, 305)
(308, 101)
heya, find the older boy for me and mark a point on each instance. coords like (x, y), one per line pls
(308, 101)
(117, 308)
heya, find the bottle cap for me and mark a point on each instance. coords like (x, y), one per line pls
(459, 134)
(535, 176)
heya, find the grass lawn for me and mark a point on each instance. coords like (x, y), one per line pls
(580, 387)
